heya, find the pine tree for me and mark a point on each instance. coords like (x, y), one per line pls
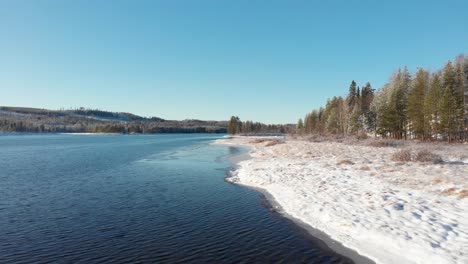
(300, 126)
(448, 105)
(431, 106)
(399, 102)
(465, 97)
(314, 121)
(352, 94)
(367, 96)
(385, 118)
(233, 125)
(321, 120)
(460, 84)
(416, 104)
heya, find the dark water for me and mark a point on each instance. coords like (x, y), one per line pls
(136, 199)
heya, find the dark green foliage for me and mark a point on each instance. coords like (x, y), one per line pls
(236, 126)
(416, 117)
(233, 126)
(448, 105)
(431, 107)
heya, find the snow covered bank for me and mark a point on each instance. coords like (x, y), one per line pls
(392, 212)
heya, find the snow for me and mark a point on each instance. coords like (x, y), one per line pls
(388, 211)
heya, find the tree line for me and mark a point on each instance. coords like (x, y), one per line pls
(426, 106)
(32, 120)
(236, 126)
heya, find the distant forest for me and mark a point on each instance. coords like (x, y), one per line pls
(426, 106)
(236, 126)
(33, 120)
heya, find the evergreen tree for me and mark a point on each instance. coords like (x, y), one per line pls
(416, 104)
(352, 94)
(314, 121)
(385, 118)
(448, 105)
(300, 125)
(431, 106)
(233, 125)
(334, 116)
(465, 97)
(460, 85)
(426, 106)
(397, 110)
(367, 96)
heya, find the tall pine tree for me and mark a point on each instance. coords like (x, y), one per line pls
(416, 118)
(431, 106)
(448, 104)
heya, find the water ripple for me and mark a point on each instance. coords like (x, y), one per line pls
(145, 199)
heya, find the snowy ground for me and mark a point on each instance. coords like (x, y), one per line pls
(391, 212)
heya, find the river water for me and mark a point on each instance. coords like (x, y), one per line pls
(137, 199)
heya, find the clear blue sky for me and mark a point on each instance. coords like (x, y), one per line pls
(270, 61)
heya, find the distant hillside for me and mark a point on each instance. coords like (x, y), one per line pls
(24, 119)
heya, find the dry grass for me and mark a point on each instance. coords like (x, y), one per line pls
(385, 143)
(259, 140)
(316, 138)
(437, 181)
(462, 156)
(365, 168)
(425, 155)
(403, 155)
(269, 142)
(345, 162)
(450, 191)
(362, 136)
(463, 194)
(274, 142)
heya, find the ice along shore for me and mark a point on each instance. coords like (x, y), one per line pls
(391, 212)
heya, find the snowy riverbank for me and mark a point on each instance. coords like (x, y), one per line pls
(392, 212)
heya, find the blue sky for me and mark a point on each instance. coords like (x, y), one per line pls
(269, 61)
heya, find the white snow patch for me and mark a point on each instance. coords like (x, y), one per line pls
(390, 212)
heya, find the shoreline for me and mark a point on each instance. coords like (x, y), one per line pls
(358, 201)
(315, 233)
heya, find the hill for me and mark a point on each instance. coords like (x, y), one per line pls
(36, 120)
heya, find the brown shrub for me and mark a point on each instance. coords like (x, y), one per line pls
(316, 138)
(463, 194)
(438, 180)
(362, 135)
(345, 162)
(425, 155)
(385, 143)
(366, 168)
(259, 140)
(450, 191)
(273, 142)
(462, 157)
(403, 155)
